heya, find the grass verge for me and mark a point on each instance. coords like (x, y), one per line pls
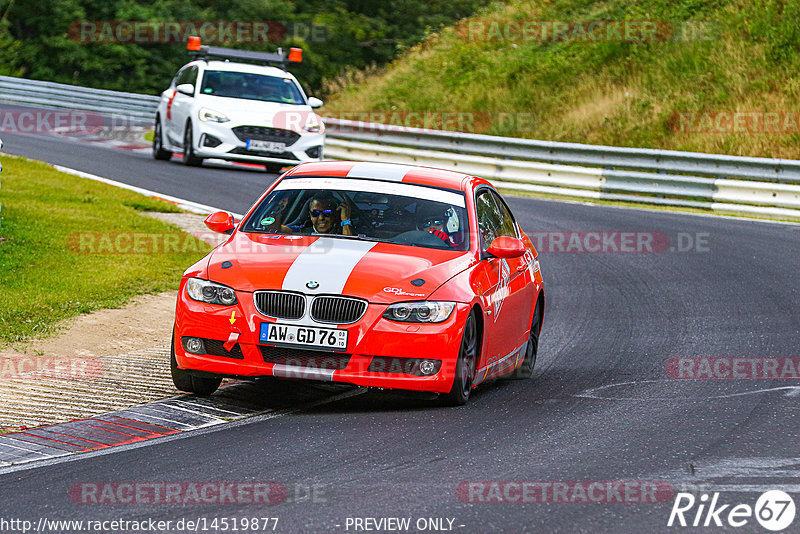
(61, 253)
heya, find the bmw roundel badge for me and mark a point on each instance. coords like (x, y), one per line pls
(312, 284)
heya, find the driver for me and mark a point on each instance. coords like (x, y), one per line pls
(433, 221)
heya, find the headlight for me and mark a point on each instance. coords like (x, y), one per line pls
(314, 124)
(419, 312)
(212, 116)
(210, 292)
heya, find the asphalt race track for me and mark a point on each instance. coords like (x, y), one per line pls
(602, 405)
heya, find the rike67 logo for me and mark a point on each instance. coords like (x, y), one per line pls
(774, 510)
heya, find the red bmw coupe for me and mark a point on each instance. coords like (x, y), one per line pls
(378, 275)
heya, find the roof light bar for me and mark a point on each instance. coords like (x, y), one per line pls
(280, 58)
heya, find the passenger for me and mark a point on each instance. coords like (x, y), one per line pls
(325, 217)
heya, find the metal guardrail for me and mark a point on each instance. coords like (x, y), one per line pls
(762, 186)
(59, 95)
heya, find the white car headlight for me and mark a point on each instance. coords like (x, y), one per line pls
(419, 312)
(212, 116)
(210, 292)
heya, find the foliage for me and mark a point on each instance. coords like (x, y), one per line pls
(36, 43)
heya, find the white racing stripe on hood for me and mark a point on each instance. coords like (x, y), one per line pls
(330, 262)
(380, 171)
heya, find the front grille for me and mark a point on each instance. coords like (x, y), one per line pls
(280, 304)
(216, 348)
(338, 310)
(277, 155)
(264, 133)
(313, 359)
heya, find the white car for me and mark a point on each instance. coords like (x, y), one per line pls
(238, 111)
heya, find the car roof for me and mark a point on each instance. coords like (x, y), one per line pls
(232, 66)
(410, 174)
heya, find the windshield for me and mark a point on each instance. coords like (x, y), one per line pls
(403, 214)
(251, 87)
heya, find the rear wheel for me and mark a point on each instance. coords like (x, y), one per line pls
(188, 148)
(466, 365)
(526, 369)
(185, 381)
(158, 144)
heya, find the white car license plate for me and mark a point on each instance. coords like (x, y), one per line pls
(265, 146)
(303, 336)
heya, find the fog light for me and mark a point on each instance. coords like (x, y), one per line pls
(209, 141)
(427, 367)
(194, 345)
(314, 152)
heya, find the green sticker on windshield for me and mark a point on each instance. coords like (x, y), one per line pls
(268, 221)
(208, 90)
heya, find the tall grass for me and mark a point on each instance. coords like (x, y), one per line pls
(718, 56)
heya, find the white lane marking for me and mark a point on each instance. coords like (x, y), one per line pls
(187, 205)
(207, 407)
(211, 419)
(329, 261)
(381, 171)
(594, 393)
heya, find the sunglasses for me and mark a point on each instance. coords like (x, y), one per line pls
(432, 222)
(325, 213)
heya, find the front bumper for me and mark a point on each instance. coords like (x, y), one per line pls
(308, 147)
(370, 337)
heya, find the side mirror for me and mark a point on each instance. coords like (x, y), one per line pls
(315, 102)
(221, 222)
(506, 247)
(186, 89)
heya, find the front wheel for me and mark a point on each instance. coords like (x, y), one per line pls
(188, 149)
(274, 168)
(466, 365)
(158, 144)
(185, 381)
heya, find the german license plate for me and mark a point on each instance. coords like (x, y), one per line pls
(265, 146)
(303, 336)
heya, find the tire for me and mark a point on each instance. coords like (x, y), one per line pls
(185, 381)
(465, 366)
(158, 144)
(188, 149)
(274, 168)
(525, 370)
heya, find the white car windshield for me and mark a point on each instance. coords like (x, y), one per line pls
(403, 214)
(251, 87)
